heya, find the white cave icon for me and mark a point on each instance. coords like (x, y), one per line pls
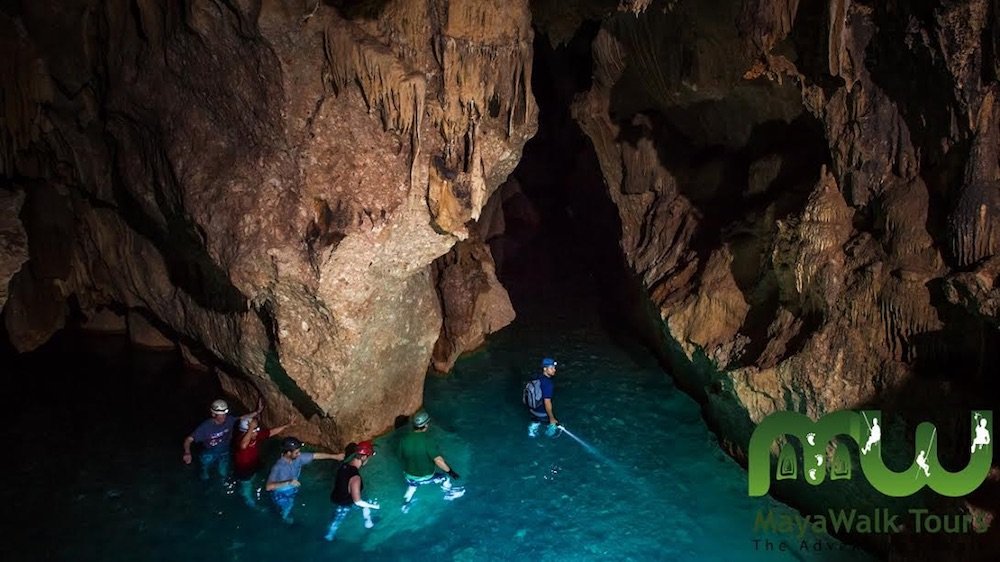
(982, 435)
(874, 436)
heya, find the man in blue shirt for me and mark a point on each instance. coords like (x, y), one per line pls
(545, 415)
(215, 435)
(283, 482)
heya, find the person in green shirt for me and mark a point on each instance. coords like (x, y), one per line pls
(423, 463)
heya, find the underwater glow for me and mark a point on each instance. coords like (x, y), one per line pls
(649, 482)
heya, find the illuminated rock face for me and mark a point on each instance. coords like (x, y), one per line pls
(272, 180)
(810, 194)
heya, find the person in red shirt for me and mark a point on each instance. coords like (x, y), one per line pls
(246, 455)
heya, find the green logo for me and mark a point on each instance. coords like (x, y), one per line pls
(865, 429)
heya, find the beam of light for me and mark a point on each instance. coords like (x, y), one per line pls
(593, 451)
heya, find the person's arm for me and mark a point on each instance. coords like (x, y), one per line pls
(273, 484)
(187, 449)
(355, 487)
(279, 429)
(328, 456)
(440, 462)
(260, 408)
(246, 439)
(548, 410)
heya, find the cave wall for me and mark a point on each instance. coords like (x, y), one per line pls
(269, 181)
(810, 195)
(798, 216)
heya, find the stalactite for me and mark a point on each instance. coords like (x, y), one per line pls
(26, 85)
(906, 311)
(839, 58)
(765, 23)
(975, 222)
(387, 86)
(470, 85)
(609, 58)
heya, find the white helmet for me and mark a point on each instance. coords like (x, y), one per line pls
(220, 407)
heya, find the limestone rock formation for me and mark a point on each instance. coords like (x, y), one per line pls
(13, 239)
(860, 140)
(142, 333)
(269, 179)
(847, 236)
(472, 300)
(106, 321)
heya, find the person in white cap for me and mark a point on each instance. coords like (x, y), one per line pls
(246, 455)
(215, 436)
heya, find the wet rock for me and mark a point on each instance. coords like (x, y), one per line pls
(473, 302)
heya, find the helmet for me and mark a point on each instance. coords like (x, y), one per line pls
(365, 448)
(421, 418)
(220, 407)
(549, 362)
(290, 444)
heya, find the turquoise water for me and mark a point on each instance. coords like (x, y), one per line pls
(98, 475)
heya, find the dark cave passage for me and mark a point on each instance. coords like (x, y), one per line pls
(561, 224)
(561, 247)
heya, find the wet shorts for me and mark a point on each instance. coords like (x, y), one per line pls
(436, 478)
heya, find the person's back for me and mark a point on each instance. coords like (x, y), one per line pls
(341, 493)
(543, 411)
(418, 451)
(347, 487)
(423, 463)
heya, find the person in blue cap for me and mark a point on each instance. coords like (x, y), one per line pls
(283, 481)
(542, 411)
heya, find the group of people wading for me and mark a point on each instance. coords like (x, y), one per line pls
(220, 443)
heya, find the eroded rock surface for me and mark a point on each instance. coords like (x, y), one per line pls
(474, 302)
(13, 240)
(269, 179)
(811, 197)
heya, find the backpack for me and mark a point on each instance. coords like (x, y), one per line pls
(532, 396)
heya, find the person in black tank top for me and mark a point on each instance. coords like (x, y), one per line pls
(347, 487)
(341, 494)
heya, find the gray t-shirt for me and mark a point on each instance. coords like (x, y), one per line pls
(215, 436)
(286, 469)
